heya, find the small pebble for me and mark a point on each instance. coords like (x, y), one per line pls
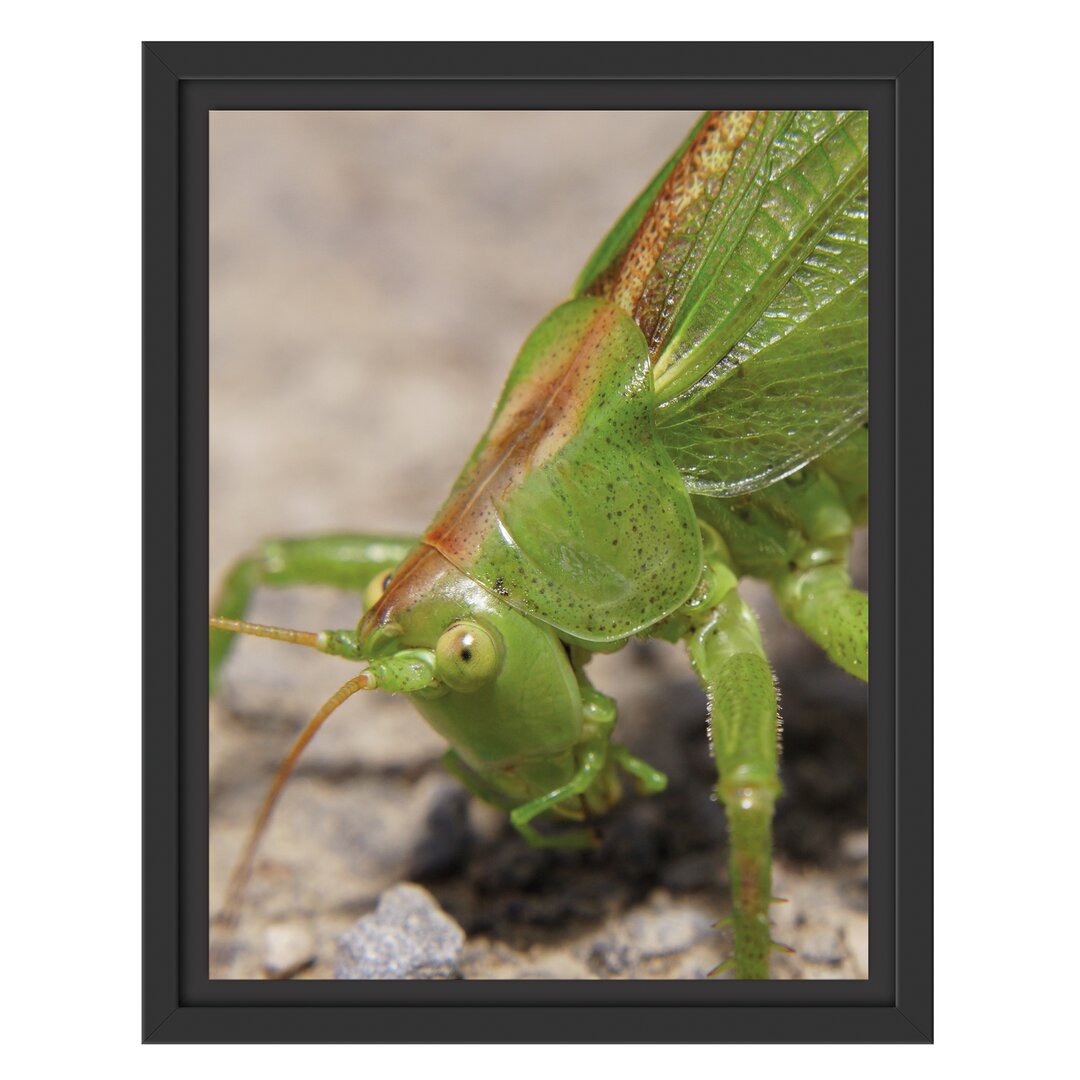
(408, 936)
(822, 944)
(609, 958)
(666, 932)
(288, 948)
(658, 930)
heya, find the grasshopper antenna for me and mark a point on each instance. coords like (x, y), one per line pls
(410, 670)
(241, 874)
(277, 633)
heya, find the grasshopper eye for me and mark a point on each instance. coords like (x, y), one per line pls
(467, 656)
(376, 587)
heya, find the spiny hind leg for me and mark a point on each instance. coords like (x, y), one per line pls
(726, 651)
(346, 561)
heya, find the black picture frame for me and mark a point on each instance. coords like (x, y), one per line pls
(182, 82)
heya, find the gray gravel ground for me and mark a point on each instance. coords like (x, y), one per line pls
(372, 276)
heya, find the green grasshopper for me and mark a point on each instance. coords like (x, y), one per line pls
(694, 413)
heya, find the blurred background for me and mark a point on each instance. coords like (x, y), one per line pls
(372, 278)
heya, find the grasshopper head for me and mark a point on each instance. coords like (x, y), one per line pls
(504, 693)
(497, 685)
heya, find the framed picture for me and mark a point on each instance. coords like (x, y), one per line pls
(346, 248)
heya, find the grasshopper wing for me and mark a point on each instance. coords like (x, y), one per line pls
(746, 270)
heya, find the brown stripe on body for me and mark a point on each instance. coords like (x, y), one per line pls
(540, 415)
(708, 156)
(408, 586)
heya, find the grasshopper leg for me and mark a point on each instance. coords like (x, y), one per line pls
(814, 589)
(649, 781)
(726, 651)
(822, 602)
(593, 758)
(601, 713)
(346, 561)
